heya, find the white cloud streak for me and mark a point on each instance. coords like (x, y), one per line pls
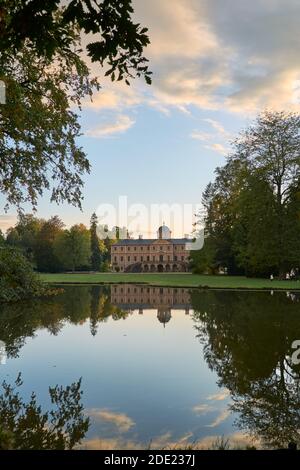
(109, 129)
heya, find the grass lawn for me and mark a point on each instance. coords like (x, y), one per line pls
(172, 279)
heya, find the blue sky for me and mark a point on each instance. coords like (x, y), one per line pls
(216, 64)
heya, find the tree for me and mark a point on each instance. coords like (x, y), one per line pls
(46, 78)
(271, 149)
(253, 206)
(24, 235)
(72, 247)
(24, 426)
(38, 127)
(96, 256)
(17, 280)
(47, 28)
(47, 260)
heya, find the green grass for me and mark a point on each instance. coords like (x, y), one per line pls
(172, 279)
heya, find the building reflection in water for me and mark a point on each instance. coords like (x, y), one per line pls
(130, 297)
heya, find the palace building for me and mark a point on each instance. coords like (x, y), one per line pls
(161, 254)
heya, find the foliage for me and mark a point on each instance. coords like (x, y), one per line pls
(96, 256)
(114, 38)
(50, 248)
(17, 279)
(24, 426)
(24, 235)
(72, 247)
(45, 256)
(252, 208)
(38, 127)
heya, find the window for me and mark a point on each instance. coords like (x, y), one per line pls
(161, 257)
(128, 258)
(148, 258)
(160, 247)
(142, 248)
(182, 258)
(135, 258)
(115, 259)
(134, 248)
(154, 248)
(175, 258)
(142, 258)
(121, 258)
(148, 248)
(121, 248)
(129, 248)
(153, 257)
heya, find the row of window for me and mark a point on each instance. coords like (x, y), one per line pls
(147, 248)
(160, 290)
(141, 258)
(148, 301)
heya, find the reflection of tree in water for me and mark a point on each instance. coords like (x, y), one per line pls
(26, 426)
(247, 340)
(76, 305)
(102, 308)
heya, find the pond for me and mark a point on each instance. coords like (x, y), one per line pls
(160, 366)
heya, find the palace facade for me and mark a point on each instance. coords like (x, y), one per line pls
(161, 254)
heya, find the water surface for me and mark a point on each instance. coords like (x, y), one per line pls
(161, 366)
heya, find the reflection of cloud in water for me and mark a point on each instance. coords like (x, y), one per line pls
(222, 395)
(219, 419)
(204, 408)
(166, 441)
(123, 422)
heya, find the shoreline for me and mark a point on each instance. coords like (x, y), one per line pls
(173, 280)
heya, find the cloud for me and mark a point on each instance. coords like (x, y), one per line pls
(120, 125)
(123, 422)
(222, 395)
(203, 409)
(7, 221)
(113, 96)
(219, 419)
(219, 148)
(237, 56)
(202, 136)
(167, 441)
(219, 134)
(218, 127)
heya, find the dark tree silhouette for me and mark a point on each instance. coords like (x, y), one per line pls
(25, 426)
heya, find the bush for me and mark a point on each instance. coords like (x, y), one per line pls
(17, 278)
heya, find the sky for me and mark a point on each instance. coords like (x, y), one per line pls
(216, 64)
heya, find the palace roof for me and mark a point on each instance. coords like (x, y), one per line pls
(149, 241)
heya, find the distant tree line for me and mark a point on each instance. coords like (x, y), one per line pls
(50, 247)
(252, 209)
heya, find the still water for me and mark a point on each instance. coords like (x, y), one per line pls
(160, 366)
